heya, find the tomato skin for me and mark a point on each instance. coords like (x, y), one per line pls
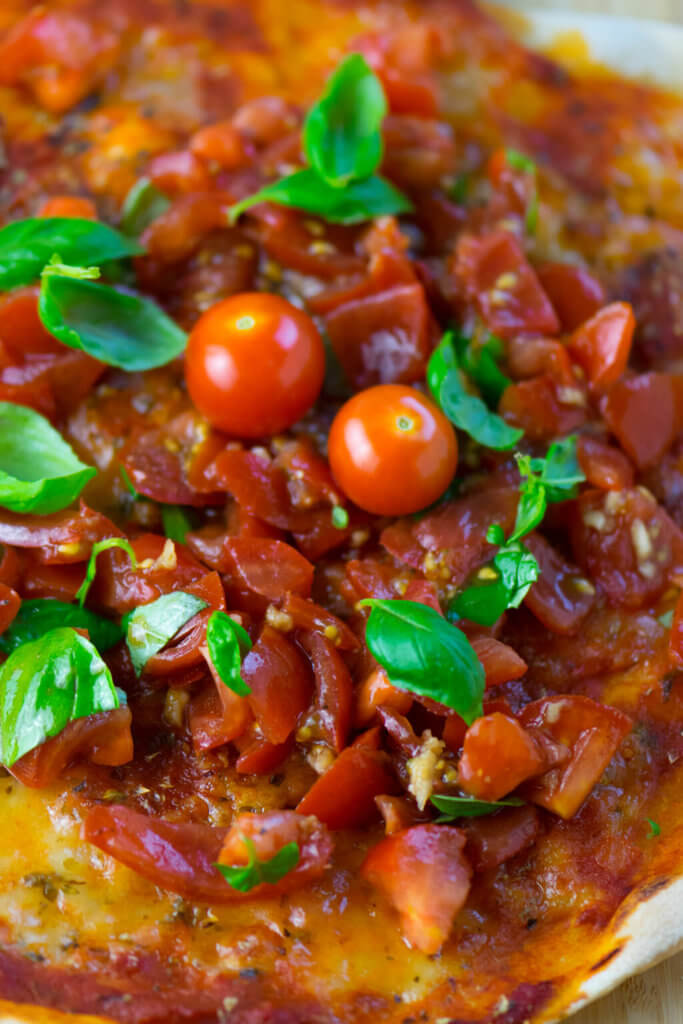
(376, 691)
(271, 831)
(575, 294)
(602, 344)
(645, 413)
(500, 662)
(280, 682)
(497, 755)
(9, 606)
(68, 206)
(560, 598)
(493, 840)
(247, 396)
(603, 465)
(423, 872)
(387, 469)
(334, 689)
(344, 797)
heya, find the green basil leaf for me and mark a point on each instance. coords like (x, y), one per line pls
(245, 877)
(151, 626)
(47, 683)
(501, 585)
(482, 602)
(560, 471)
(228, 643)
(176, 522)
(655, 829)
(452, 807)
(466, 411)
(119, 329)
(40, 615)
(479, 360)
(424, 654)
(39, 472)
(458, 191)
(143, 204)
(533, 501)
(518, 569)
(342, 132)
(306, 190)
(520, 161)
(27, 245)
(97, 548)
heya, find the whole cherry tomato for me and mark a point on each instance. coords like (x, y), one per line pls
(391, 450)
(254, 364)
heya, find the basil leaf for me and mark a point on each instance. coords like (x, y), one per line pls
(533, 501)
(255, 872)
(47, 683)
(560, 470)
(655, 829)
(466, 411)
(503, 584)
(520, 162)
(39, 616)
(306, 190)
(176, 522)
(151, 626)
(424, 654)
(468, 807)
(27, 245)
(143, 204)
(342, 137)
(39, 472)
(479, 362)
(97, 548)
(119, 329)
(228, 643)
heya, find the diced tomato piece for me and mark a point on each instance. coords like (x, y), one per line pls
(68, 206)
(344, 796)
(500, 662)
(561, 597)
(316, 619)
(418, 151)
(388, 268)
(60, 538)
(185, 650)
(604, 465)
(269, 567)
(309, 476)
(271, 831)
(543, 410)
(398, 813)
(104, 738)
(163, 566)
(424, 592)
(58, 581)
(645, 413)
(453, 733)
(575, 294)
(676, 634)
(179, 173)
(499, 837)
(220, 144)
(258, 756)
(402, 737)
(176, 233)
(602, 344)
(376, 691)
(425, 875)
(653, 284)
(181, 857)
(288, 239)
(592, 732)
(10, 566)
(259, 487)
(382, 338)
(280, 682)
(333, 689)
(9, 606)
(533, 357)
(21, 329)
(217, 717)
(626, 543)
(498, 754)
(370, 577)
(500, 281)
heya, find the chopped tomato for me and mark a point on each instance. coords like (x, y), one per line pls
(333, 689)
(68, 206)
(376, 691)
(280, 683)
(418, 151)
(424, 874)
(104, 738)
(533, 357)
(177, 232)
(382, 434)
(590, 731)
(163, 566)
(645, 413)
(258, 756)
(498, 754)
(602, 344)
(60, 538)
(499, 837)
(388, 269)
(499, 280)
(344, 797)
(220, 144)
(217, 716)
(543, 410)
(10, 566)
(271, 831)
(185, 650)
(269, 567)
(179, 173)
(604, 465)
(398, 813)
(316, 619)
(501, 662)
(382, 338)
(9, 606)
(575, 294)
(561, 597)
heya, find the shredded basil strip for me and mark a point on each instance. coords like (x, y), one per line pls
(468, 412)
(246, 877)
(453, 807)
(115, 327)
(47, 683)
(98, 548)
(521, 162)
(342, 132)
(40, 615)
(228, 643)
(143, 204)
(150, 626)
(176, 522)
(551, 479)
(423, 653)
(26, 246)
(39, 472)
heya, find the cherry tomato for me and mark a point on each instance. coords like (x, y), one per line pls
(254, 364)
(391, 450)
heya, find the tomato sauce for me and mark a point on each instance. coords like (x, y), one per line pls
(110, 901)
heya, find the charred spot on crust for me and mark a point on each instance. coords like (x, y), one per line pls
(603, 961)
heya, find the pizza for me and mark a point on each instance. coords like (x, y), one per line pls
(341, 516)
